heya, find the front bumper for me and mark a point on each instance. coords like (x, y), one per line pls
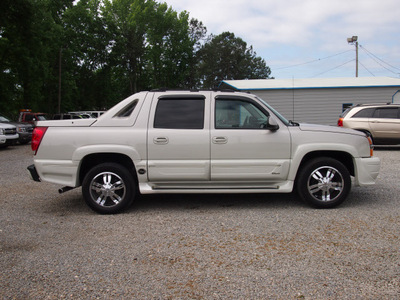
(12, 139)
(34, 174)
(25, 137)
(367, 170)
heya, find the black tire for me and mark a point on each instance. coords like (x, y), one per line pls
(323, 182)
(109, 188)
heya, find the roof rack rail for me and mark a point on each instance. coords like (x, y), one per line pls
(224, 90)
(371, 104)
(191, 90)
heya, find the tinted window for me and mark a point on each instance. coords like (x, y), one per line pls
(28, 118)
(346, 106)
(238, 114)
(364, 113)
(127, 110)
(179, 113)
(386, 113)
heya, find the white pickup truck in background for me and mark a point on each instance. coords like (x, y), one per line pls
(199, 142)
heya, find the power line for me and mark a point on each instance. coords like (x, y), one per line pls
(366, 68)
(378, 61)
(333, 68)
(312, 61)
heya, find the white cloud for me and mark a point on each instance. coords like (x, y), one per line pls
(302, 29)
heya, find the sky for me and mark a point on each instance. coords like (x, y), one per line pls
(308, 38)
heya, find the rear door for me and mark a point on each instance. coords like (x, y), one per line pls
(385, 124)
(179, 138)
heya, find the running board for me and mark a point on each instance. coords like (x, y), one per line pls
(193, 188)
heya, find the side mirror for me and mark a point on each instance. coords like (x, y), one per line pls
(271, 124)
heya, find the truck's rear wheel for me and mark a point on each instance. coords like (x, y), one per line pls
(108, 188)
(324, 182)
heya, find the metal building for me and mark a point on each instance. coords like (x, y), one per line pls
(319, 100)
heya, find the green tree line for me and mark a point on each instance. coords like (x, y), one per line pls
(62, 55)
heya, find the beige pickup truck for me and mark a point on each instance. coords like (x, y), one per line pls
(199, 142)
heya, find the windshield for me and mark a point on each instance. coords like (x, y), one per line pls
(282, 118)
(4, 119)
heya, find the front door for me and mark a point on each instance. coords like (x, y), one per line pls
(241, 148)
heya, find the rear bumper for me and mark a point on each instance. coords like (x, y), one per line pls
(34, 174)
(367, 170)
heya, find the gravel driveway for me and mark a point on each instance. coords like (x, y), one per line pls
(197, 246)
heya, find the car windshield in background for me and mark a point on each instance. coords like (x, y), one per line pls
(4, 119)
(41, 118)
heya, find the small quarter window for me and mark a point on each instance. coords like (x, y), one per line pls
(127, 110)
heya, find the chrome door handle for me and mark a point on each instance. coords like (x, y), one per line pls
(160, 140)
(219, 140)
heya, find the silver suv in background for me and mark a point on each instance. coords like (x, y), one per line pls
(24, 130)
(380, 121)
(8, 135)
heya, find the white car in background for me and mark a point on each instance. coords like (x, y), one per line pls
(8, 135)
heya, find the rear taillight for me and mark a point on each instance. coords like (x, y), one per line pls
(37, 135)
(340, 122)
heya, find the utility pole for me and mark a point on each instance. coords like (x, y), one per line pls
(59, 81)
(354, 41)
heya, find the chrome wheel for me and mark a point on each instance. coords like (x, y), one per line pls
(325, 184)
(107, 189)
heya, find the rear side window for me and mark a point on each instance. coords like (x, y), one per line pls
(364, 113)
(179, 113)
(387, 113)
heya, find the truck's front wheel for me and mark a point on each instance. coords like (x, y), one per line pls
(324, 182)
(108, 188)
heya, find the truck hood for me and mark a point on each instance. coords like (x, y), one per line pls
(67, 123)
(6, 126)
(19, 124)
(327, 128)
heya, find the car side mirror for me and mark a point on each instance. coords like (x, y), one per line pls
(271, 124)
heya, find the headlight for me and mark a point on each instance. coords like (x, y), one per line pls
(1, 131)
(21, 129)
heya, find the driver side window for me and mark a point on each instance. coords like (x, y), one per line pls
(238, 114)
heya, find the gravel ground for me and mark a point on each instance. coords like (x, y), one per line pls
(197, 246)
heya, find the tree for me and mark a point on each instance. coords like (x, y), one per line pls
(29, 32)
(153, 46)
(85, 51)
(171, 42)
(97, 52)
(225, 57)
